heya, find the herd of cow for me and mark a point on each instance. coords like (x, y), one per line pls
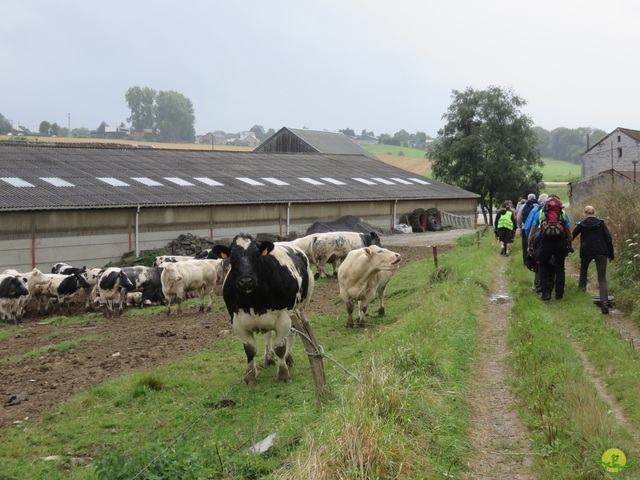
(263, 284)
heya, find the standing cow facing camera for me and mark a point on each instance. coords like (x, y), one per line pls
(363, 274)
(266, 281)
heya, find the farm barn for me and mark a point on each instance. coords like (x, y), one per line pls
(89, 206)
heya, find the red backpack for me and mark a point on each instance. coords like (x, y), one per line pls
(552, 222)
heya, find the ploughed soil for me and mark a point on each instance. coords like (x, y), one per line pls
(33, 382)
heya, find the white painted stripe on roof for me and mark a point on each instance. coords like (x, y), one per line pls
(209, 181)
(114, 182)
(401, 180)
(17, 182)
(383, 180)
(275, 181)
(365, 181)
(332, 180)
(179, 181)
(251, 181)
(419, 180)
(311, 181)
(57, 182)
(147, 181)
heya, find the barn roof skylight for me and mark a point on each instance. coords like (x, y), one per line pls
(147, 181)
(311, 181)
(251, 181)
(420, 181)
(179, 181)
(275, 181)
(365, 181)
(332, 180)
(114, 182)
(57, 182)
(401, 180)
(383, 180)
(17, 182)
(209, 181)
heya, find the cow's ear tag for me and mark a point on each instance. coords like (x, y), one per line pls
(265, 252)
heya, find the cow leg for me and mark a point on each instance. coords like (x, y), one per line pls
(268, 350)
(349, 313)
(362, 308)
(281, 343)
(380, 294)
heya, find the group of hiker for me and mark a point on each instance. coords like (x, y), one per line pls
(545, 232)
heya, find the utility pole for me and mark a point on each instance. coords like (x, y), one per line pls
(68, 125)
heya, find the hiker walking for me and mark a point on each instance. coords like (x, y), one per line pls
(521, 218)
(505, 226)
(595, 244)
(553, 221)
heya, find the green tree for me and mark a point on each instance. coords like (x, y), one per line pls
(258, 131)
(5, 125)
(488, 146)
(81, 132)
(141, 102)
(55, 129)
(175, 119)
(44, 127)
(348, 132)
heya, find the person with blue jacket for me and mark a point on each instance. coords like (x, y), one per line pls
(528, 223)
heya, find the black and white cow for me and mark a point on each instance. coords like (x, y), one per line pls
(147, 281)
(265, 282)
(59, 287)
(113, 285)
(12, 288)
(66, 269)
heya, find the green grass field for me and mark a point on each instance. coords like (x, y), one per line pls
(394, 150)
(560, 170)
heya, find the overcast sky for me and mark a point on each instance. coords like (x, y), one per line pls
(377, 65)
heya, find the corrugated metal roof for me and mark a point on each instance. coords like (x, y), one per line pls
(159, 177)
(323, 142)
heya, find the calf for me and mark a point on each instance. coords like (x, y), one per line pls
(265, 282)
(12, 287)
(198, 276)
(365, 272)
(59, 287)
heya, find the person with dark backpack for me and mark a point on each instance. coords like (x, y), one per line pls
(595, 244)
(556, 237)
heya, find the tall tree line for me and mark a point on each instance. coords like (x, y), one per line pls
(567, 143)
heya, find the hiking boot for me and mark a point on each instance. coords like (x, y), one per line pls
(506, 254)
(545, 297)
(604, 309)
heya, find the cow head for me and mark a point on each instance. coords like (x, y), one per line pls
(382, 258)
(246, 261)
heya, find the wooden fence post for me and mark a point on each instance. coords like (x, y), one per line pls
(434, 248)
(314, 352)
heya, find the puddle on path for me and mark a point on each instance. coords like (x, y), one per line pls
(501, 299)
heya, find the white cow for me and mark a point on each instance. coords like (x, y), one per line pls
(365, 272)
(198, 276)
(331, 247)
(18, 307)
